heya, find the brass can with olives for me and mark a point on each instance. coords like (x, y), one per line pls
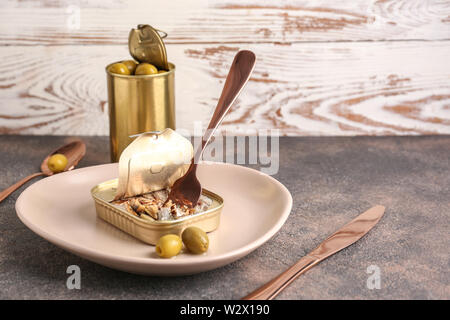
(140, 90)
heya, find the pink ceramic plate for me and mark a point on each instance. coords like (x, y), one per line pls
(60, 209)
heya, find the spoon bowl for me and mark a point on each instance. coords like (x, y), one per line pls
(74, 152)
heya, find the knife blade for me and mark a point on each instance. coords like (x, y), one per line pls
(342, 238)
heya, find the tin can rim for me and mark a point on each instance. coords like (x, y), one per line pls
(172, 69)
(158, 223)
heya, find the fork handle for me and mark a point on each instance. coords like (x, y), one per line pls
(5, 193)
(271, 289)
(237, 77)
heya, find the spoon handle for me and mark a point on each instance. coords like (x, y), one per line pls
(5, 193)
(239, 73)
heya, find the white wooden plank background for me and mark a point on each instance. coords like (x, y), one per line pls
(360, 67)
(225, 21)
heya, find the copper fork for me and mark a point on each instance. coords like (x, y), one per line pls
(187, 189)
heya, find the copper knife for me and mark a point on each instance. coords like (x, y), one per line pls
(347, 235)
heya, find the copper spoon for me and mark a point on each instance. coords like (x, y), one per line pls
(73, 151)
(187, 189)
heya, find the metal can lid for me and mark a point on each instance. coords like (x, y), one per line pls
(153, 161)
(146, 45)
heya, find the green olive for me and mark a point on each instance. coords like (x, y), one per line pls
(195, 239)
(145, 68)
(168, 246)
(57, 163)
(131, 65)
(119, 68)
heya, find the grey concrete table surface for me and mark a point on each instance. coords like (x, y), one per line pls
(332, 180)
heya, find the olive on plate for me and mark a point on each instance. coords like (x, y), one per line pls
(195, 240)
(168, 246)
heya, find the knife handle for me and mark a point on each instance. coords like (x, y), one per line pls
(271, 289)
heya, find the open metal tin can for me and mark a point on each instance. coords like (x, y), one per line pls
(150, 231)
